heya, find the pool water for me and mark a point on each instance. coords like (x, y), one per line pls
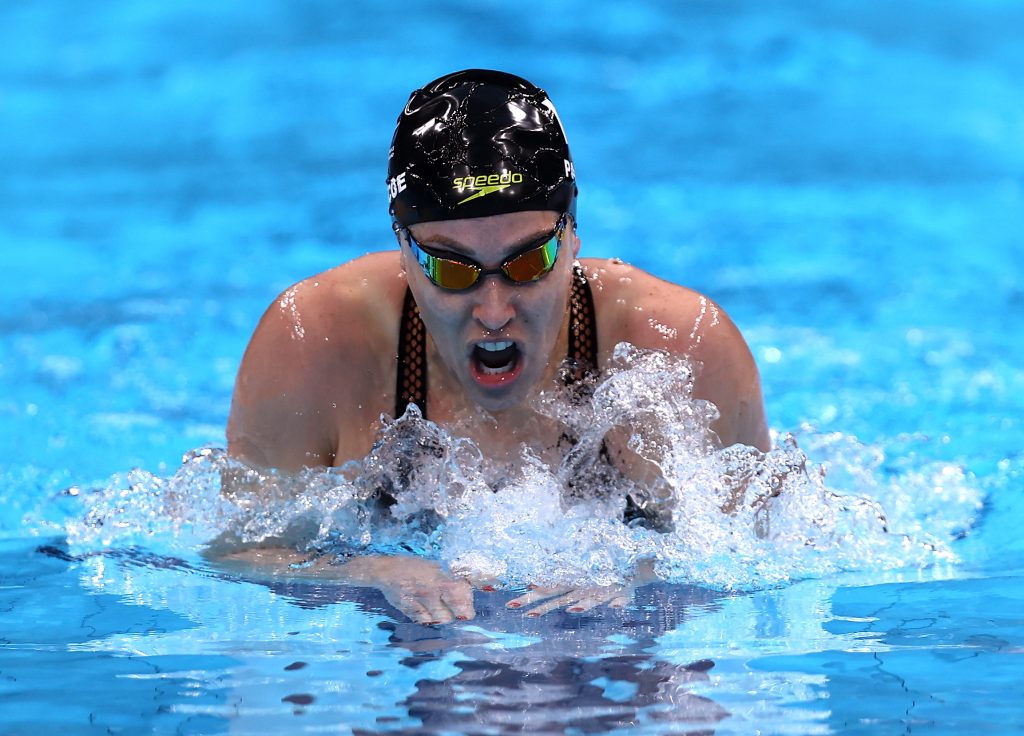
(846, 181)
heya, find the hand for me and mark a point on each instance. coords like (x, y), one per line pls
(574, 600)
(580, 600)
(418, 588)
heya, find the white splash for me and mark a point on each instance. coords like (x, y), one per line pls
(732, 518)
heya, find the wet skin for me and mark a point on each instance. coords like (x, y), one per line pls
(320, 370)
(531, 315)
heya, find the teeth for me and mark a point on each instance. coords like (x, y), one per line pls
(495, 346)
(495, 350)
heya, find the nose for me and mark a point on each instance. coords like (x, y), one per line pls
(493, 308)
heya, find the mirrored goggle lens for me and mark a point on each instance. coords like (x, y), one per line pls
(448, 274)
(532, 264)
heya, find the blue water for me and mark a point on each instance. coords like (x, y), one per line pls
(846, 180)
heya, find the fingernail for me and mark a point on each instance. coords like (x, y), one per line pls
(462, 618)
(433, 623)
(575, 609)
(513, 604)
(488, 588)
(533, 615)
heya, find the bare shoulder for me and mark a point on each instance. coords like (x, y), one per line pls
(352, 306)
(317, 361)
(639, 308)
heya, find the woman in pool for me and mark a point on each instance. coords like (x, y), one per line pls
(482, 303)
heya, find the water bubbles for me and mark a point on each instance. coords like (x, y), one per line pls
(669, 333)
(637, 475)
(290, 309)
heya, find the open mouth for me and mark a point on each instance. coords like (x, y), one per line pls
(495, 361)
(496, 356)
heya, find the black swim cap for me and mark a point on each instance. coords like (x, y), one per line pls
(478, 143)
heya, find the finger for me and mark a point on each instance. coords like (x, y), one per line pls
(486, 583)
(458, 596)
(620, 602)
(568, 600)
(439, 612)
(411, 608)
(593, 597)
(422, 605)
(536, 594)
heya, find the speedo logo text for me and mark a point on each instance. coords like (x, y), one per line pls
(485, 184)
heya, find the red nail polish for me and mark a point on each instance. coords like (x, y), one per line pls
(575, 609)
(513, 604)
(533, 615)
(488, 588)
(462, 618)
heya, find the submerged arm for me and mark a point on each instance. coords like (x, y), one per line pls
(418, 588)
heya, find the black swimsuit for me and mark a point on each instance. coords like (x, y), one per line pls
(411, 381)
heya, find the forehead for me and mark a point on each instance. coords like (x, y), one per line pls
(486, 235)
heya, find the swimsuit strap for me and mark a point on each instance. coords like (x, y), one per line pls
(582, 328)
(411, 381)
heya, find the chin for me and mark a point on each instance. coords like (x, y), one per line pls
(501, 400)
(499, 403)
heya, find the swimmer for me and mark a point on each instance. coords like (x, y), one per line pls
(482, 302)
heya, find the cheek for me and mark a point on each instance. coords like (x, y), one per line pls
(547, 312)
(442, 316)
(451, 310)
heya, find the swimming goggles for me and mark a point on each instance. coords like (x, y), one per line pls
(530, 263)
